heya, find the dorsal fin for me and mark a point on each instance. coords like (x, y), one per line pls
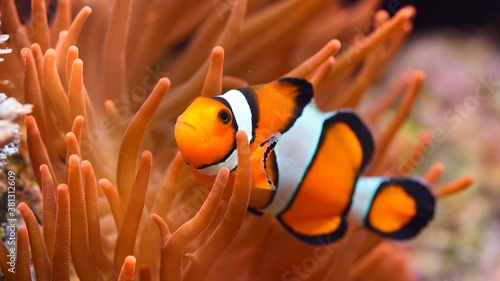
(277, 105)
(304, 92)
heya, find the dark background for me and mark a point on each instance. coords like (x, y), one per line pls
(466, 15)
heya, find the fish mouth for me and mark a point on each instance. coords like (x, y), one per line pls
(189, 130)
(182, 121)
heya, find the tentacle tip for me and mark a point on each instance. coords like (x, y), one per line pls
(43, 168)
(25, 50)
(382, 14)
(50, 54)
(22, 205)
(87, 9)
(62, 188)
(218, 50)
(62, 35)
(72, 48)
(426, 133)
(130, 259)
(70, 135)
(334, 44)
(469, 180)
(74, 160)
(438, 166)
(146, 154)
(241, 135)
(29, 120)
(408, 12)
(224, 170)
(103, 182)
(419, 75)
(164, 82)
(78, 62)
(35, 46)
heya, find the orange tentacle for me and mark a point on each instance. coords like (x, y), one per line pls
(38, 251)
(69, 40)
(115, 202)
(213, 80)
(434, 173)
(23, 271)
(62, 234)
(308, 67)
(127, 269)
(78, 127)
(172, 251)
(132, 140)
(5, 262)
(162, 227)
(404, 110)
(92, 204)
(125, 241)
(49, 204)
(37, 151)
(62, 19)
(80, 248)
(114, 64)
(164, 197)
(232, 220)
(57, 95)
(39, 24)
(453, 187)
(76, 95)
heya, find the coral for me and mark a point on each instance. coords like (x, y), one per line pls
(96, 107)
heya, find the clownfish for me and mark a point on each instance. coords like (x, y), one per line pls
(306, 164)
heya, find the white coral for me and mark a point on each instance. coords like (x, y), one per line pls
(3, 39)
(11, 109)
(9, 138)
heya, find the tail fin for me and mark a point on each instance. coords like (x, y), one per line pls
(396, 208)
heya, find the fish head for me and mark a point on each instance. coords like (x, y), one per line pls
(205, 132)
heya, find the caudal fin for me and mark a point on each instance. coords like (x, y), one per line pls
(396, 208)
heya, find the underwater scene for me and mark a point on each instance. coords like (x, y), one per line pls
(249, 140)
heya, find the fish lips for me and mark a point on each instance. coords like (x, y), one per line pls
(189, 136)
(185, 124)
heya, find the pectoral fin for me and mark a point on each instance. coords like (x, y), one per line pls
(264, 173)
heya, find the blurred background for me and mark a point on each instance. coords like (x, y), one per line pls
(456, 44)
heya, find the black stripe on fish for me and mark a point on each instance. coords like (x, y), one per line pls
(304, 96)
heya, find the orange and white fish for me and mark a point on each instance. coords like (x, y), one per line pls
(306, 164)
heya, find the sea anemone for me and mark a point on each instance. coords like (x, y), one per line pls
(110, 211)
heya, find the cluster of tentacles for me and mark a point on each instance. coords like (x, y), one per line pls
(115, 214)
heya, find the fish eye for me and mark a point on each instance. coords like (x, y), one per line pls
(225, 116)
